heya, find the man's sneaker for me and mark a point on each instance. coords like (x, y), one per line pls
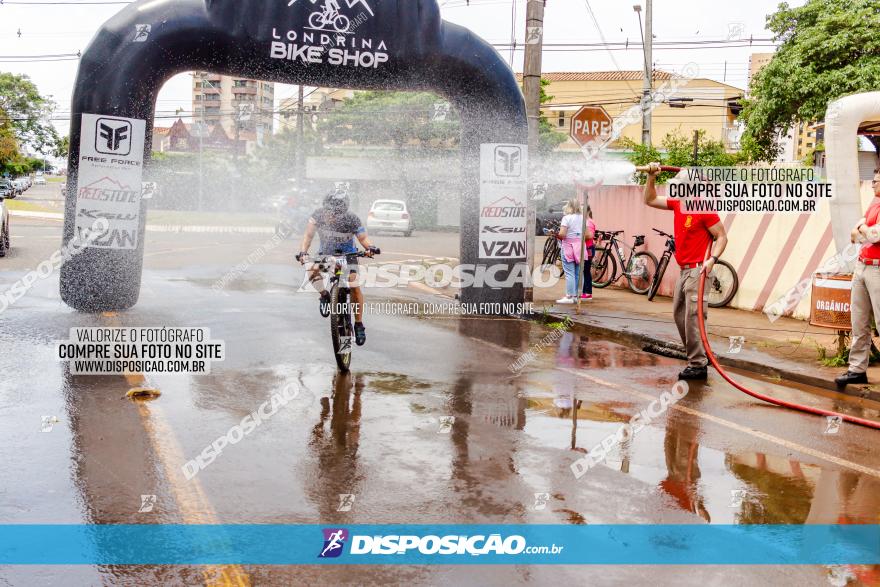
(586, 296)
(324, 304)
(850, 377)
(694, 374)
(360, 333)
(565, 300)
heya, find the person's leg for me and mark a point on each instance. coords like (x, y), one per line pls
(694, 343)
(678, 307)
(588, 280)
(570, 278)
(861, 308)
(357, 297)
(860, 314)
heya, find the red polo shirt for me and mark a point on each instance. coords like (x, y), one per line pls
(871, 250)
(692, 235)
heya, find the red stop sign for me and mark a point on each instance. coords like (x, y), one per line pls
(590, 123)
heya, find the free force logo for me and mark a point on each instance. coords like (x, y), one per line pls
(113, 136)
(334, 541)
(508, 160)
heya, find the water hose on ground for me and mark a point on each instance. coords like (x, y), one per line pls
(766, 398)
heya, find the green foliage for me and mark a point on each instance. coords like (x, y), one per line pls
(548, 138)
(830, 48)
(391, 118)
(838, 360)
(678, 150)
(27, 112)
(61, 147)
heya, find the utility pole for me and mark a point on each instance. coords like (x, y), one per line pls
(300, 133)
(647, 43)
(696, 147)
(534, 45)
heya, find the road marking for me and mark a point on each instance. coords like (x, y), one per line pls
(190, 496)
(734, 426)
(165, 252)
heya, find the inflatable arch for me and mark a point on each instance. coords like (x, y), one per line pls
(359, 44)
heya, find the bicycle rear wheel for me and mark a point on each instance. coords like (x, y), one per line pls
(658, 277)
(721, 284)
(603, 269)
(341, 330)
(641, 271)
(548, 249)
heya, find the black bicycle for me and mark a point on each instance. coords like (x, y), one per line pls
(721, 284)
(552, 250)
(341, 309)
(639, 268)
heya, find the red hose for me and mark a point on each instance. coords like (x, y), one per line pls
(754, 394)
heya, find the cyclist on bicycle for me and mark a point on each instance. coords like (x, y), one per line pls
(693, 233)
(331, 8)
(337, 228)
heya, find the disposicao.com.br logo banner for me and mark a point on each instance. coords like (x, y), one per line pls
(275, 544)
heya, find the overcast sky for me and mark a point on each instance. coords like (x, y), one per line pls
(52, 29)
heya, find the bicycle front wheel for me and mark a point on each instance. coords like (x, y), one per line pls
(721, 284)
(642, 269)
(658, 277)
(603, 271)
(341, 329)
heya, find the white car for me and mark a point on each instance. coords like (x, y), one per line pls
(39, 180)
(4, 229)
(390, 216)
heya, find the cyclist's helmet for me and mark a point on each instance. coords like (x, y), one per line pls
(337, 201)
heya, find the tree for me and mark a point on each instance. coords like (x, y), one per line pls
(829, 48)
(392, 118)
(678, 151)
(27, 112)
(548, 139)
(61, 147)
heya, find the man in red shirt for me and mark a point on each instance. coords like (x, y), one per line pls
(865, 296)
(693, 234)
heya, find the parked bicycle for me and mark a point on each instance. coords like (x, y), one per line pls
(552, 250)
(610, 264)
(721, 284)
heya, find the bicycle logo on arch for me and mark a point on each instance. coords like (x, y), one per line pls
(329, 16)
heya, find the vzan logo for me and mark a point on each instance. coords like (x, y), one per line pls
(508, 160)
(113, 136)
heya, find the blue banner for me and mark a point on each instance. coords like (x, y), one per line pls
(269, 544)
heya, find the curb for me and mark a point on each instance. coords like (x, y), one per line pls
(649, 343)
(161, 227)
(32, 214)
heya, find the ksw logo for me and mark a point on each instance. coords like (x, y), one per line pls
(113, 136)
(504, 229)
(334, 541)
(508, 160)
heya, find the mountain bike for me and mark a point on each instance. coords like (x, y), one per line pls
(552, 250)
(341, 309)
(638, 268)
(721, 284)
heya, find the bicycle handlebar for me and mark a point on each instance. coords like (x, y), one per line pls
(660, 232)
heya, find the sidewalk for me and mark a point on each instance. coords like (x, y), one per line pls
(787, 348)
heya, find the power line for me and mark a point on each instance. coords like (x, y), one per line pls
(88, 3)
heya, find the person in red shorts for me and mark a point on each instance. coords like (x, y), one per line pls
(693, 234)
(865, 296)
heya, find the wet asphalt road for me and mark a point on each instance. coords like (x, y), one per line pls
(717, 456)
